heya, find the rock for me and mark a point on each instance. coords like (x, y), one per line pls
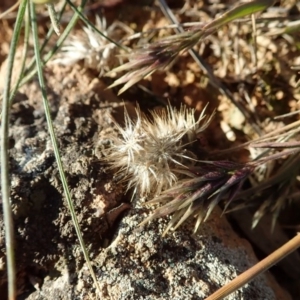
(140, 264)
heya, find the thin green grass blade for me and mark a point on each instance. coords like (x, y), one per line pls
(51, 30)
(88, 23)
(23, 59)
(53, 18)
(26, 76)
(22, 79)
(58, 44)
(54, 142)
(47, 38)
(239, 11)
(5, 183)
(23, 62)
(65, 34)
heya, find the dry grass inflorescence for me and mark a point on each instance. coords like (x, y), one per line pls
(207, 115)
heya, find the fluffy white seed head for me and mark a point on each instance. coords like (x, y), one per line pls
(149, 149)
(95, 50)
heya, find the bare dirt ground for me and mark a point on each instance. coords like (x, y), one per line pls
(259, 76)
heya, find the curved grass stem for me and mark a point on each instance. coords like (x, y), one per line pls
(5, 183)
(54, 142)
(259, 268)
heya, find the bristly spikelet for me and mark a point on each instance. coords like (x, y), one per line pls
(149, 150)
(197, 195)
(95, 50)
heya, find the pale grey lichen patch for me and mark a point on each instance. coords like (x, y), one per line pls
(140, 264)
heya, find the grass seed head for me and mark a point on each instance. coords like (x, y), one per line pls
(198, 195)
(151, 148)
(95, 50)
(145, 60)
